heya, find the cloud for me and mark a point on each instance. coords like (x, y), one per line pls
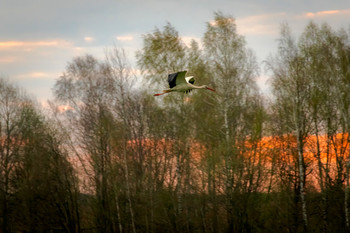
(16, 44)
(326, 13)
(266, 24)
(37, 75)
(125, 38)
(88, 39)
(259, 24)
(321, 13)
(263, 24)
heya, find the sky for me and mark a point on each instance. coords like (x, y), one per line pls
(39, 37)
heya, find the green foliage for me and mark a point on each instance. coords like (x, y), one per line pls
(163, 52)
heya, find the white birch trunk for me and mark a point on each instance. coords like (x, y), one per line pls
(298, 128)
(302, 181)
(128, 188)
(346, 198)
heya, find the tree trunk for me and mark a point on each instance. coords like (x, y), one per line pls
(346, 198)
(321, 176)
(229, 172)
(301, 179)
(128, 192)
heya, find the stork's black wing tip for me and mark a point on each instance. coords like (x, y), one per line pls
(173, 76)
(172, 79)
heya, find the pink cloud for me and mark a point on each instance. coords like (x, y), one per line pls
(259, 24)
(37, 75)
(88, 39)
(125, 38)
(326, 13)
(15, 44)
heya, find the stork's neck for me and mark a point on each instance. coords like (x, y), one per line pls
(197, 87)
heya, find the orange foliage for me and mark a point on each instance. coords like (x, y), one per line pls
(332, 151)
(272, 156)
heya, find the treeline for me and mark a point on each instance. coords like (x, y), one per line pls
(118, 159)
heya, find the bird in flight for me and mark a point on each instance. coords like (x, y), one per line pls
(179, 83)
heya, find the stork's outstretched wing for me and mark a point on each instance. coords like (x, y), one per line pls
(176, 79)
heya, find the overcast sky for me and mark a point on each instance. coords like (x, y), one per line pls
(39, 37)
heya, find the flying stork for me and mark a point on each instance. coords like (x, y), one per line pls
(179, 83)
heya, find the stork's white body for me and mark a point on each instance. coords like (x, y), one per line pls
(179, 83)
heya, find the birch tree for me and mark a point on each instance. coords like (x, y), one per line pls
(342, 71)
(234, 67)
(291, 91)
(123, 106)
(317, 45)
(164, 52)
(85, 87)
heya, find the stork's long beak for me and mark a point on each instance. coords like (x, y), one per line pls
(211, 89)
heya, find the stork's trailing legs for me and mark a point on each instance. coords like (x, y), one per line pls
(164, 92)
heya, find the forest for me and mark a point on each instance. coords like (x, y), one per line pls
(108, 156)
